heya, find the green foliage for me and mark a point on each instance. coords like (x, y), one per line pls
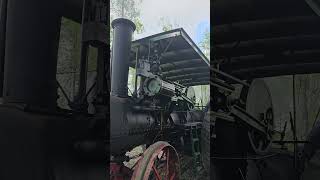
(166, 25)
(205, 44)
(131, 80)
(202, 94)
(203, 91)
(205, 47)
(139, 25)
(126, 9)
(70, 47)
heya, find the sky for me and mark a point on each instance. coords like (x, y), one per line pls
(192, 15)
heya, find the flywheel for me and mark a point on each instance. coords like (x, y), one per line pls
(259, 105)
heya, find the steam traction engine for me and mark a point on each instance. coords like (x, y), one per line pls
(159, 112)
(41, 141)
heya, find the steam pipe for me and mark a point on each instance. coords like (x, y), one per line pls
(122, 37)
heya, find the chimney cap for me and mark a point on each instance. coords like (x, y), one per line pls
(123, 21)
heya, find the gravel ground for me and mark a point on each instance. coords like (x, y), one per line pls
(188, 172)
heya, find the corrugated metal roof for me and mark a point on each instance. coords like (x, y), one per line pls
(182, 61)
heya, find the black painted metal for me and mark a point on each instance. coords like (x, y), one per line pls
(121, 49)
(314, 5)
(40, 141)
(128, 128)
(126, 131)
(3, 21)
(31, 52)
(144, 118)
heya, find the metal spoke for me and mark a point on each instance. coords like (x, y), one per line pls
(149, 167)
(156, 173)
(173, 176)
(168, 152)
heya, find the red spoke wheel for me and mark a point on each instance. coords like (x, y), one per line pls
(159, 162)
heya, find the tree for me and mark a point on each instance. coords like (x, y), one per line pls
(166, 25)
(126, 9)
(205, 44)
(205, 47)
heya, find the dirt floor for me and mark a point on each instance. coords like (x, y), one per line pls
(186, 165)
(188, 172)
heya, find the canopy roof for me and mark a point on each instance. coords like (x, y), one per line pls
(263, 38)
(181, 60)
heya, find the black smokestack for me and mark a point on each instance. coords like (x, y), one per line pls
(32, 38)
(122, 37)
